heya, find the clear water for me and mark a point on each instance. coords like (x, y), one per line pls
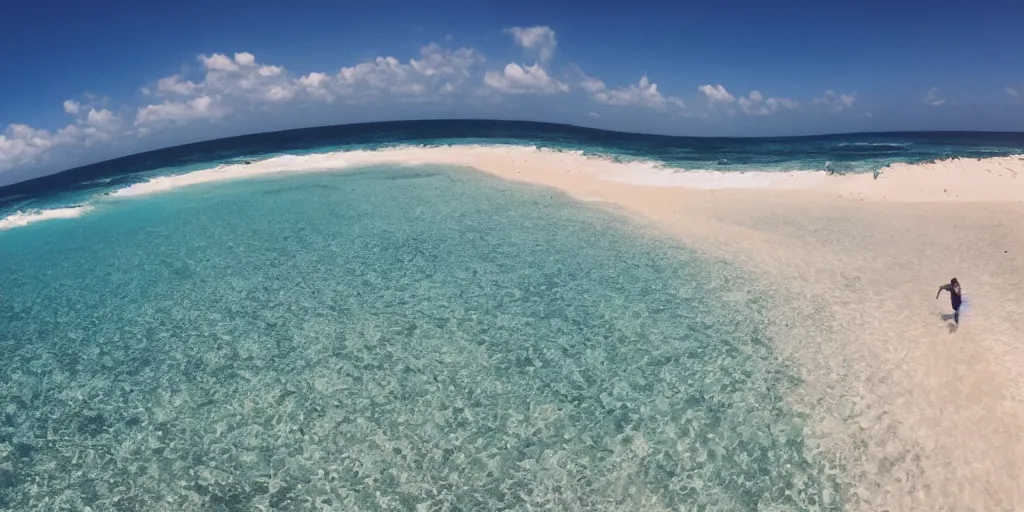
(423, 339)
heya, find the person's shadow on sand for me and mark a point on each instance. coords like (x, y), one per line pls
(948, 317)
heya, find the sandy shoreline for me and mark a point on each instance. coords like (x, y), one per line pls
(921, 418)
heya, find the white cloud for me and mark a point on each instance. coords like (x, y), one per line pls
(644, 93)
(933, 98)
(21, 144)
(435, 75)
(174, 84)
(756, 104)
(203, 107)
(435, 61)
(245, 59)
(102, 119)
(270, 70)
(539, 39)
(314, 80)
(228, 85)
(232, 85)
(382, 72)
(279, 93)
(1014, 93)
(315, 84)
(218, 61)
(833, 102)
(716, 93)
(592, 85)
(516, 79)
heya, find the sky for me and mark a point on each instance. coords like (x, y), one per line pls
(87, 81)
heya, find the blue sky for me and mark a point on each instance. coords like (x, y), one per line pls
(88, 81)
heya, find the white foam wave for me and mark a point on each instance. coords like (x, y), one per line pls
(876, 144)
(21, 218)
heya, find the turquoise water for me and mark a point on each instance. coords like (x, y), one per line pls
(384, 339)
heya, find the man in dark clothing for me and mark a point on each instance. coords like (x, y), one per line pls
(954, 297)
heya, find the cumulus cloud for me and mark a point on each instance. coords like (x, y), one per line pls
(218, 61)
(716, 93)
(756, 104)
(833, 102)
(438, 73)
(102, 119)
(516, 79)
(174, 84)
(933, 98)
(522, 79)
(539, 39)
(71, 107)
(245, 59)
(21, 144)
(753, 104)
(644, 93)
(436, 61)
(270, 70)
(170, 112)
(231, 84)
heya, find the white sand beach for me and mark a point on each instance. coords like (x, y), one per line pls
(921, 416)
(938, 416)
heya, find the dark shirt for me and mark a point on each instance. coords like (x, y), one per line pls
(954, 294)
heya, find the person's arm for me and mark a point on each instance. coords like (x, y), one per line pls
(946, 287)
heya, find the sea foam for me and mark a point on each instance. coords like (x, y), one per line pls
(22, 218)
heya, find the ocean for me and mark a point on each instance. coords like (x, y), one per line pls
(845, 153)
(389, 337)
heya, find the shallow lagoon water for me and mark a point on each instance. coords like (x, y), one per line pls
(386, 339)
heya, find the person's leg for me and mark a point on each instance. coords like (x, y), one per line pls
(956, 316)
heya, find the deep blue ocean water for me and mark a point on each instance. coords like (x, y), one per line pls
(847, 153)
(381, 338)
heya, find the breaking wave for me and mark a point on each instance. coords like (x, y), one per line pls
(22, 218)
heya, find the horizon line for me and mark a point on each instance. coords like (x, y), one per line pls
(497, 120)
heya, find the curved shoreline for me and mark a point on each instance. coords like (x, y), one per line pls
(957, 179)
(924, 419)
